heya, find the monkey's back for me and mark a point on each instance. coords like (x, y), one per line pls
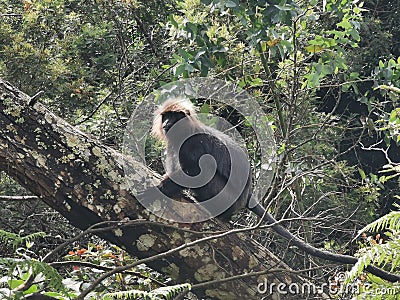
(231, 165)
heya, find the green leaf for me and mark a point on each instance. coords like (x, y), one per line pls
(205, 109)
(172, 21)
(314, 48)
(13, 283)
(32, 289)
(256, 82)
(230, 4)
(393, 116)
(345, 24)
(362, 174)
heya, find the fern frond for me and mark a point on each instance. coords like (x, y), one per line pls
(49, 273)
(165, 293)
(170, 292)
(131, 294)
(390, 221)
(16, 239)
(380, 255)
(9, 237)
(33, 236)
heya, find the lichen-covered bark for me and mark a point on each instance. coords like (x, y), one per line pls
(84, 181)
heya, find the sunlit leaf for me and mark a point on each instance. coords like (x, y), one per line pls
(314, 48)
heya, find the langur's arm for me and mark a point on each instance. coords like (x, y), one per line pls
(169, 187)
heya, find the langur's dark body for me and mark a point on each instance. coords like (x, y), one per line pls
(204, 140)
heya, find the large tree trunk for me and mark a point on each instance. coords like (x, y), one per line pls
(83, 180)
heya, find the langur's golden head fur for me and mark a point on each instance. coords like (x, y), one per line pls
(172, 105)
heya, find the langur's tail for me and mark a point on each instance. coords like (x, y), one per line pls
(268, 219)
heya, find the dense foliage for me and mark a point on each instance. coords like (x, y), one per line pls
(326, 73)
